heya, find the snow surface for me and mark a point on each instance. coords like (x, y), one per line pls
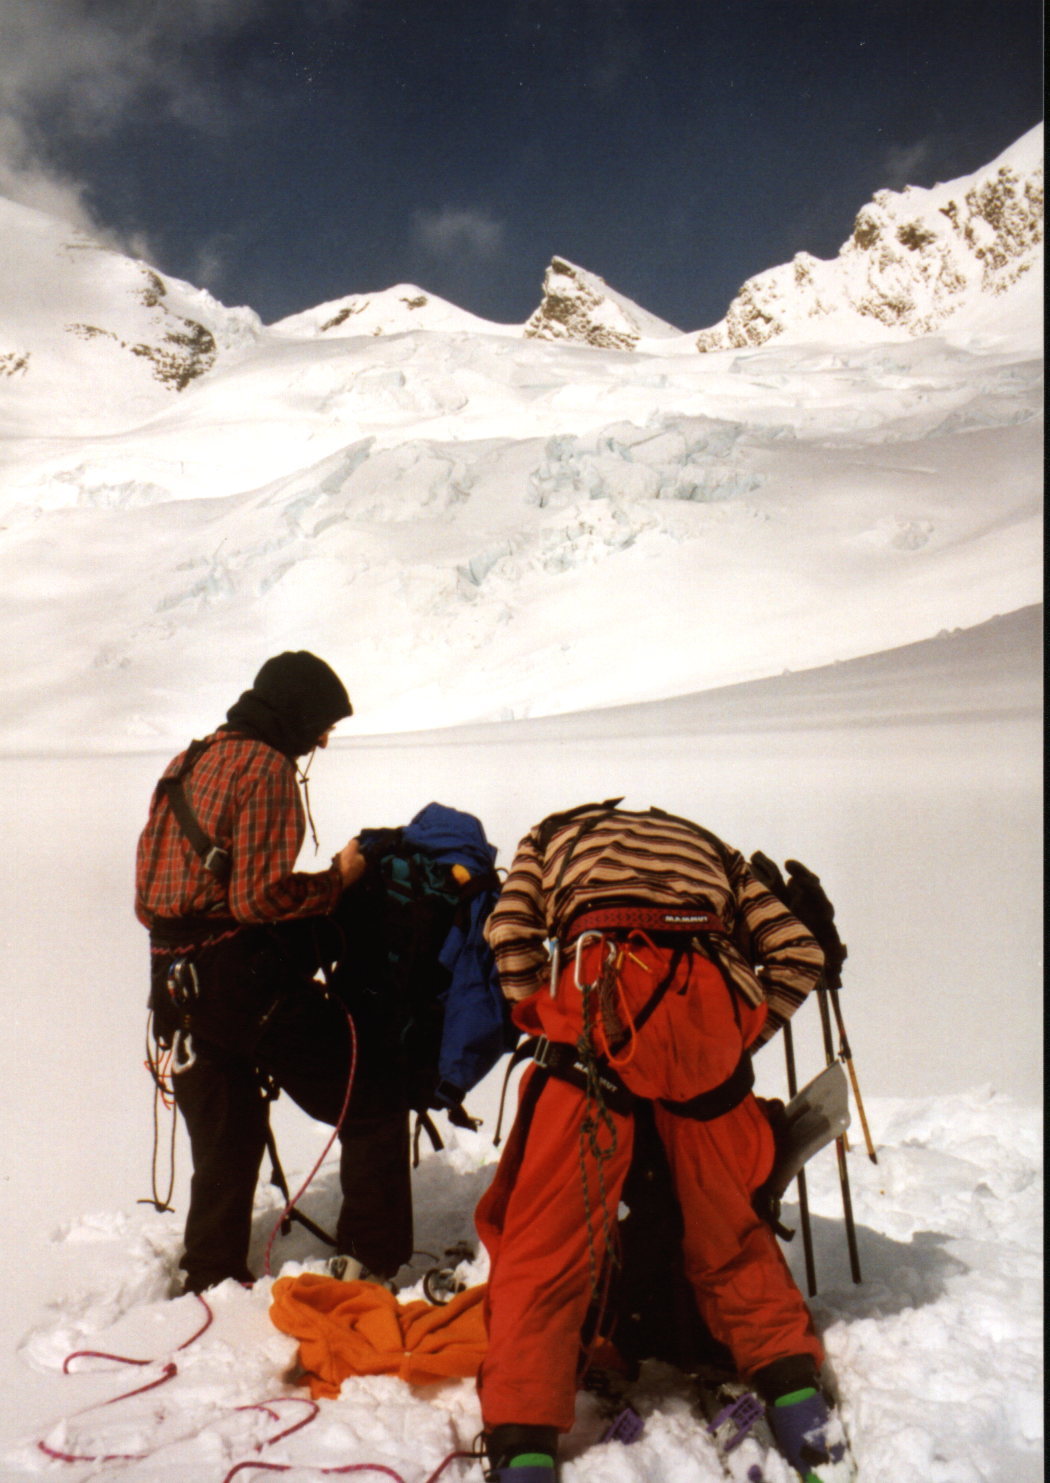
(467, 521)
(910, 781)
(792, 592)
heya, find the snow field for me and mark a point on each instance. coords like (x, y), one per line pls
(936, 1355)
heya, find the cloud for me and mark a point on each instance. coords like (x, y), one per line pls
(457, 232)
(26, 179)
(76, 68)
(211, 261)
(905, 164)
(93, 58)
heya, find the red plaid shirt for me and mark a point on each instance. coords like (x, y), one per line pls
(245, 797)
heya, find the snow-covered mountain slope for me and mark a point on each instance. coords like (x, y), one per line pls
(962, 255)
(90, 340)
(393, 311)
(475, 522)
(949, 1241)
(475, 527)
(910, 782)
(579, 306)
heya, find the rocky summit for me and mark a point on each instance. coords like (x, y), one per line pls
(580, 306)
(916, 261)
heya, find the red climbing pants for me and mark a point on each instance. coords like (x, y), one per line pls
(547, 1217)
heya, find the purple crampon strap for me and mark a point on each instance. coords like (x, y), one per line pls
(741, 1415)
(626, 1428)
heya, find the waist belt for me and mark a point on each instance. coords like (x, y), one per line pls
(175, 934)
(686, 920)
(706, 1106)
(564, 1061)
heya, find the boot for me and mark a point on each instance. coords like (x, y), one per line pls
(522, 1454)
(809, 1434)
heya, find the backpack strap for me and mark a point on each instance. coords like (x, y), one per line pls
(212, 856)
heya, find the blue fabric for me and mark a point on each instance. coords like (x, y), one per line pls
(477, 1024)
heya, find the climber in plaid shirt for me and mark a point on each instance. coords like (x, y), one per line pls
(233, 993)
(246, 799)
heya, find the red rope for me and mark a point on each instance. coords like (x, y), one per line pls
(171, 1369)
(300, 1400)
(290, 1467)
(293, 1202)
(169, 1372)
(344, 1469)
(123, 1359)
(267, 1407)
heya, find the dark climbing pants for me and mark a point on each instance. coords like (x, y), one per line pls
(303, 1048)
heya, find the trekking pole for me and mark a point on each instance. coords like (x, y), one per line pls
(847, 1055)
(840, 1148)
(800, 1178)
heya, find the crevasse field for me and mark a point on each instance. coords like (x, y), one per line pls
(792, 592)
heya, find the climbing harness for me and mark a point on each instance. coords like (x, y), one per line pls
(212, 856)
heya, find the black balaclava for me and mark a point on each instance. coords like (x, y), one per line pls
(293, 701)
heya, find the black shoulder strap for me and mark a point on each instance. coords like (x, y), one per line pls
(553, 822)
(212, 856)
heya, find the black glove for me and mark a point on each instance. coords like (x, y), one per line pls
(807, 900)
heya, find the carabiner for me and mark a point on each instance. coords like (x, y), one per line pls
(581, 941)
(184, 986)
(182, 1044)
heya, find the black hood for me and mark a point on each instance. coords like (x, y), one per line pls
(294, 699)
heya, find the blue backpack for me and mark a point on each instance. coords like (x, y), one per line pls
(418, 974)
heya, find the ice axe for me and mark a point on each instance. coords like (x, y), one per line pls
(806, 899)
(800, 1177)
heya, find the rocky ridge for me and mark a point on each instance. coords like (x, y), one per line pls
(581, 307)
(914, 260)
(103, 336)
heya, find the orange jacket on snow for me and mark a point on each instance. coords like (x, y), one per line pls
(360, 1328)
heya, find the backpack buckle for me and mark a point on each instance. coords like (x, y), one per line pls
(217, 860)
(541, 1053)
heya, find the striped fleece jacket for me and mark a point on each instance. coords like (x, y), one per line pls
(599, 856)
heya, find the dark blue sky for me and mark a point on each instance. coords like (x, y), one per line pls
(287, 152)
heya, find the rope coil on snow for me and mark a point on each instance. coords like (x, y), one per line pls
(345, 1468)
(169, 1372)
